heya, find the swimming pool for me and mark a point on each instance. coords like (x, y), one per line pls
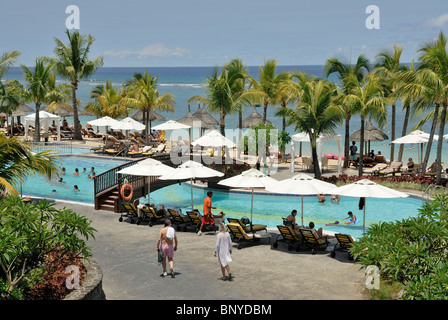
(41, 187)
(269, 209)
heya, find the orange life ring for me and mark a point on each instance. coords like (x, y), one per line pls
(131, 192)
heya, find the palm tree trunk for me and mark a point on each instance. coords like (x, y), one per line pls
(347, 142)
(36, 135)
(265, 110)
(283, 119)
(392, 145)
(78, 133)
(431, 137)
(405, 129)
(240, 132)
(317, 172)
(147, 132)
(222, 120)
(440, 143)
(361, 147)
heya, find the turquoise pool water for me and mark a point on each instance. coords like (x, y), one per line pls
(42, 187)
(269, 209)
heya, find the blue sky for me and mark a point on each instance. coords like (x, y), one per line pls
(145, 33)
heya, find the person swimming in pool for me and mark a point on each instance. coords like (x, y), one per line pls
(75, 188)
(76, 173)
(321, 198)
(335, 198)
(352, 218)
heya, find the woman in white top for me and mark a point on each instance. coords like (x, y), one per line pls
(223, 250)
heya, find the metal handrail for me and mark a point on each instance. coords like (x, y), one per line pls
(57, 147)
(109, 179)
(430, 189)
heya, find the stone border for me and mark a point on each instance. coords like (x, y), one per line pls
(92, 287)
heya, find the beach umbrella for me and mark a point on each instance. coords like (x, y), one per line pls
(254, 119)
(191, 120)
(64, 111)
(147, 168)
(416, 136)
(213, 139)
(21, 110)
(366, 188)
(205, 116)
(171, 125)
(370, 134)
(251, 178)
(128, 124)
(191, 170)
(103, 122)
(152, 116)
(301, 184)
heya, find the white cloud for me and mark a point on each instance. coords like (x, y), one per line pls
(153, 50)
(440, 21)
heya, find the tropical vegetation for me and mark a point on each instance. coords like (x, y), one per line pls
(38, 241)
(142, 93)
(410, 252)
(17, 163)
(72, 63)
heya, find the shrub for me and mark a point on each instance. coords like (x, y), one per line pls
(53, 280)
(412, 252)
(30, 234)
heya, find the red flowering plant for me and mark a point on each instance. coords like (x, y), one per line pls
(403, 180)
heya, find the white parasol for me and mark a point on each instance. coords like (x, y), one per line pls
(301, 184)
(191, 170)
(147, 168)
(366, 188)
(251, 178)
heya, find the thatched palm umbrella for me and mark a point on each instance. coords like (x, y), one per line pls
(370, 134)
(63, 111)
(21, 110)
(254, 119)
(190, 118)
(152, 116)
(205, 116)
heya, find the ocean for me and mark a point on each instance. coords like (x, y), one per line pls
(185, 82)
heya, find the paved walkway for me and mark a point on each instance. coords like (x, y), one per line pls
(127, 254)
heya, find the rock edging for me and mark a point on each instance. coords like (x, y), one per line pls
(92, 287)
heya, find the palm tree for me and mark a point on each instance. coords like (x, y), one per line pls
(269, 84)
(432, 82)
(287, 93)
(388, 66)
(345, 72)
(8, 97)
(17, 162)
(225, 91)
(142, 93)
(407, 97)
(109, 101)
(314, 114)
(72, 63)
(40, 88)
(367, 99)
(7, 60)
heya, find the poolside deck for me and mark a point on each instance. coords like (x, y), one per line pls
(127, 255)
